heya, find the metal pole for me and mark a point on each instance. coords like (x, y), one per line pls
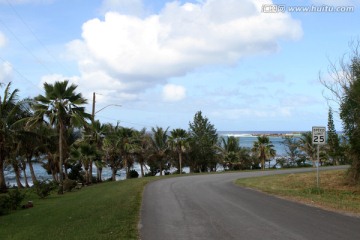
(318, 163)
(93, 107)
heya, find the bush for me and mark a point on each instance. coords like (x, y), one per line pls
(69, 185)
(15, 198)
(4, 204)
(44, 188)
(133, 174)
(76, 173)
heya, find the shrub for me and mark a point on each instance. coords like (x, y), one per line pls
(4, 204)
(15, 198)
(44, 188)
(133, 174)
(69, 185)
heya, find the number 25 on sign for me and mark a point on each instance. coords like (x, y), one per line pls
(318, 135)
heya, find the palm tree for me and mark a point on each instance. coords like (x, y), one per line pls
(61, 106)
(84, 152)
(128, 146)
(10, 113)
(230, 148)
(159, 145)
(143, 151)
(178, 141)
(111, 149)
(306, 145)
(96, 134)
(264, 149)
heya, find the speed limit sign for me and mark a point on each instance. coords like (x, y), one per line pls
(319, 135)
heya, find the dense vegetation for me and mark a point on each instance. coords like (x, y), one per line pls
(54, 129)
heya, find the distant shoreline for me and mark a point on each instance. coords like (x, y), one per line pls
(261, 133)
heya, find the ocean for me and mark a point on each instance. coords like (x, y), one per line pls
(247, 138)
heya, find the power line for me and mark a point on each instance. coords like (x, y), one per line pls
(37, 39)
(19, 73)
(26, 48)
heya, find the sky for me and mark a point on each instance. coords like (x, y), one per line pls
(244, 67)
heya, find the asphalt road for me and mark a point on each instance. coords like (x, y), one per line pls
(212, 207)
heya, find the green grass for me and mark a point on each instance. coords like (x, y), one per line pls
(103, 211)
(333, 193)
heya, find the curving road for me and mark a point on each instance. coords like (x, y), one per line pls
(212, 207)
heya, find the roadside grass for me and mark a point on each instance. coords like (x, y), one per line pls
(104, 211)
(333, 192)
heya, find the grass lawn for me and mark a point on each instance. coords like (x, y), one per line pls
(103, 211)
(333, 193)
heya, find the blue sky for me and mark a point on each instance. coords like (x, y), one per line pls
(163, 61)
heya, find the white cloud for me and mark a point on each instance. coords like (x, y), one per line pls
(2, 40)
(6, 71)
(173, 93)
(128, 54)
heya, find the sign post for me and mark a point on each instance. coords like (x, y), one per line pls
(318, 138)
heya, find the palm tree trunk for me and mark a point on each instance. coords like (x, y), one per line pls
(180, 163)
(23, 167)
(98, 174)
(32, 172)
(142, 169)
(17, 175)
(61, 187)
(90, 171)
(3, 187)
(113, 176)
(127, 168)
(161, 167)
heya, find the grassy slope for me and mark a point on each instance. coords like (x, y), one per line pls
(103, 211)
(333, 194)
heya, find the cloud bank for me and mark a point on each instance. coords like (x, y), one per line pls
(125, 54)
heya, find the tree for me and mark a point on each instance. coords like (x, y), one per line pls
(111, 149)
(143, 151)
(160, 146)
(11, 109)
(333, 142)
(178, 141)
(263, 149)
(203, 140)
(62, 107)
(292, 150)
(230, 148)
(344, 88)
(306, 145)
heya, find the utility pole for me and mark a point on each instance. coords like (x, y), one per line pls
(93, 107)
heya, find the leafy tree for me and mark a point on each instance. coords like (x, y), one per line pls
(203, 140)
(62, 107)
(263, 149)
(179, 142)
(350, 115)
(333, 142)
(344, 87)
